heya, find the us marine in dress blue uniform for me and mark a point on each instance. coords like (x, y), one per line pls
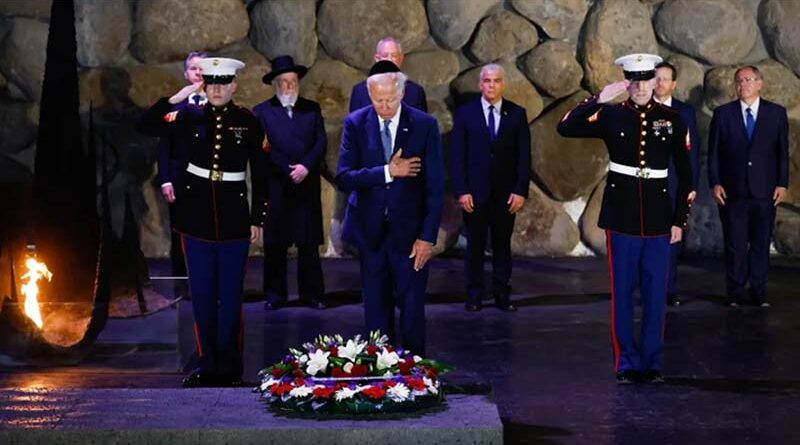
(213, 215)
(637, 213)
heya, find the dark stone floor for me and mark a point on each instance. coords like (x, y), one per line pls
(733, 374)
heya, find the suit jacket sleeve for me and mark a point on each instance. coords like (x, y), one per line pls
(354, 99)
(524, 160)
(152, 122)
(694, 154)
(313, 159)
(783, 150)
(433, 168)
(713, 149)
(423, 105)
(351, 175)
(458, 155)
(583, 121)
(164, 154)
(683, 168)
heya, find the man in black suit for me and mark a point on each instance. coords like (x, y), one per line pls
(389, 49)
(666, 82)
(491, 158)
(172, 164)
(748, 170)
(296, 136)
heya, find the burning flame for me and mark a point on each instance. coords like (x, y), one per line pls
(36, 270)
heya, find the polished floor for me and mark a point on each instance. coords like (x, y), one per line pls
(733, 374)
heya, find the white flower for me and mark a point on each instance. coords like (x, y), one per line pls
(430, 385)
(417, 359)
(265, 386)
(387, 359)
(345, 393)
(303, 359)
(348, 367)
(398, 392)
(301, 391)
(351, 350)
(317, 361)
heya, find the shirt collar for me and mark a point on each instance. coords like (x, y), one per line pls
(485, 104)
(753, 107)
(395, 120)
(667, 101)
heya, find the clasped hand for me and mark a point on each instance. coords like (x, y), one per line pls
(400, 167)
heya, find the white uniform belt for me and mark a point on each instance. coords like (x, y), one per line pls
(643, 172)
(215, 175)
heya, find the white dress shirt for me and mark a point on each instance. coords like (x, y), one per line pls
(485, 104)
(667, 101)
(394, 122)
(753, 109)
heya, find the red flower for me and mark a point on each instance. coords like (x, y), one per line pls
(372, 350)
(337, 372)
(334, 351)
(341, 385)
(277, 372)
(298, 373)
(415, 384)
(374, 392)
(359, 370)
(280, 389)
(389, 383)
(299, 381)
(323, 393)
(406, 366)
(294, 364)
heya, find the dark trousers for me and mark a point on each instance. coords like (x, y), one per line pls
(176, 257)
(491, 217)
(638, 260)
(216, 280)
(310, 282)
(389, 279)
(672, 276)
(747, 226)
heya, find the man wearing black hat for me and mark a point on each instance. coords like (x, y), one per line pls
(212, 214)
(389, 49)
(390, 164)
(642, 137)
(296, 136)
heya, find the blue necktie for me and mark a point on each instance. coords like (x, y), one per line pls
(750, 124)
(386, 140)
(289, 111)
(492, 131)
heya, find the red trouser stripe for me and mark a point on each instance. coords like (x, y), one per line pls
(197, 340)
(614, 341)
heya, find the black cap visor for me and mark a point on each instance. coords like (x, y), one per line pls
(217, 80)
(640, 75)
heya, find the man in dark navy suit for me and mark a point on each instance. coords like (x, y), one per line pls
(295, 132)
(390, 162)
(172, 167)
(389, 49)
(666, 82)
(748, 170)
(491, 158)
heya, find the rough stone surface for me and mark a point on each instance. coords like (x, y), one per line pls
(780, 85)
(793, 193)
(103, 31)
(559, 19)
(442, 114)
(690, 79)
(281, 27)
(685, 25)
(251, 90)
(503, 36)
(779, 23)
(334, 134)
(593, 236)
(566, 167)
(787, 231)
(127, 91)
(614, 29)
(450, 226)
(19, 127)
(330, 82)
(431, 69)
(26, 8)
(518, 88)
(167, 30)
(350, 29)
(22, 56)
(452, 23)
(552, 67)
(704, 236)
(543, 228)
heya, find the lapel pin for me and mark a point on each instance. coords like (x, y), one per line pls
(405, 129)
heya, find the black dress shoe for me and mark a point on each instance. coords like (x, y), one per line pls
(315, 304)
(272, 306)
(472, 307)
(505, 305)
(672, 300)
(199, 380)
(653, 376)
(628, 377)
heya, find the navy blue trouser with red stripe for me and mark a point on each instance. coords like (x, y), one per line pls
(216, 281)
(644, 261)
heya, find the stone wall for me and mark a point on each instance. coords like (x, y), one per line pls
(556, 52)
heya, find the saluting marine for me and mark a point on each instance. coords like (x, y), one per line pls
(637, 213)
(213, 216)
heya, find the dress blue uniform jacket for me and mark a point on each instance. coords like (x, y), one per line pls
(690, 119)
(481, 167)
(414, 96)
(295, 210)
(749, 169)
(637, 136)
(412, 205)
(214, 138)
(171, 163)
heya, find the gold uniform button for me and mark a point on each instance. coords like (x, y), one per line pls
(218, 146)
(219, 136)
(641, 162)
(219, 125)
(215, 166)
(219, 118)
(621, 134)
(644, 123)
(644, 142)
(642, 115)
(641, 152)
(644, 133)
(216, 156)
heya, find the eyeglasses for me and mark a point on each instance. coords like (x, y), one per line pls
(745, 80)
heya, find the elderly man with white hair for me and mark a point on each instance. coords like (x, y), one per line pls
(390, 162)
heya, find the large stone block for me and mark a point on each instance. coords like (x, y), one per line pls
(20, 126)
(450, 226)
(38, 9)
(330, 82)
(518, 88)
(566, 167)
(350, 29)
(453, 22)
(552, 67)
(431, 69)
(167, 30)
(503, 36)
(559, 19)
(778, 20)
(684, 25)
(780, 85)
(793, 193)
(543, 228)
(614, 28)
(442, 114)
(690, 79)
(122, 93)
(285, 27)
(103, 31)
(22, 56)
(593, 236)
(787, 231)
(250, 89)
